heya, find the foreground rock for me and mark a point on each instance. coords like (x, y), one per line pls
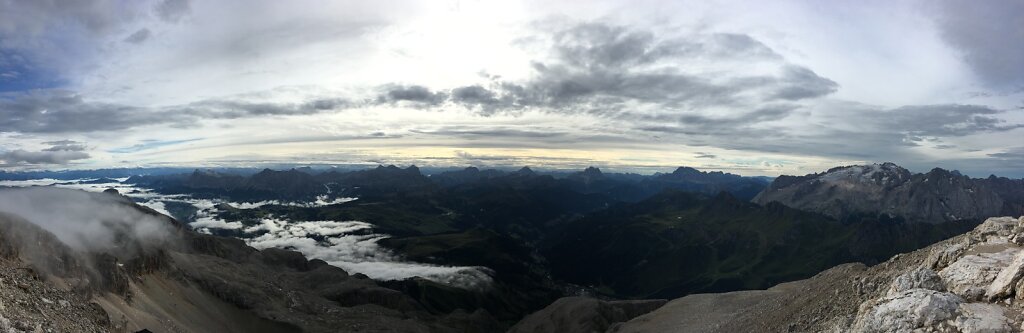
(969, 283)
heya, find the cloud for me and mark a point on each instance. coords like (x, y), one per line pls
(352, 246)
(59, 152)
(81, 220)
(943, 120)
(19, 156)
(1013, 154)
(61, 111)
(172, 10)
(65, 145)
(150, 144)
(138, 37)
(990, 37)
(55, 111)
(53, 39)
(704, 155)
(610, 70)
(413, 94)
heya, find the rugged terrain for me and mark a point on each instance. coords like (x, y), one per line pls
(969, 283)
(188, 282)
(888, 189)
(539, 236)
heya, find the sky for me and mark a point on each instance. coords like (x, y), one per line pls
(754, 88)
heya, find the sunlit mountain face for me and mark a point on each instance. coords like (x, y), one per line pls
(520, 166)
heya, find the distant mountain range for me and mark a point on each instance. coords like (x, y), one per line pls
(296, 184)
(546, 235)
(933, 197)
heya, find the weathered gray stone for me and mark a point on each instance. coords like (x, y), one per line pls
(971, 275)
(923, 278)
(995, 227)
(981, 318)
(941, 257)
(909, 310)
(1007, 279)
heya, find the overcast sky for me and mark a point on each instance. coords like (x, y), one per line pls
(750, 87)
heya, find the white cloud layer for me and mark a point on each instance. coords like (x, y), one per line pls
(350, 245)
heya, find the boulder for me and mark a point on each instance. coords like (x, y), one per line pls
(920, 278)
(1007, 279)
(909, 310)
(995, 227)
(971, 275)
(942, 256)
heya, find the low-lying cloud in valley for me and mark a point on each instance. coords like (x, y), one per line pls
(85, 219)
(82, 220)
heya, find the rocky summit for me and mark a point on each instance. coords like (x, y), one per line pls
(888, 189)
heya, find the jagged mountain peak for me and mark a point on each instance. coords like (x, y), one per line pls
(684, 170)
(937, 196)
(881, 174)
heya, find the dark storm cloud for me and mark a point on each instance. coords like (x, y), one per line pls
(990, 37)
(417, 96)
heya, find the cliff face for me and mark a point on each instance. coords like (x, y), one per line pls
(933, 197)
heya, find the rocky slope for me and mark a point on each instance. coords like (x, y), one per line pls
(888, 189)
(188, 282)
(969, 283)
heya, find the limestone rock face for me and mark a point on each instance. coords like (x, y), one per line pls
(971, 275)
(981, 317)
(923, 278)
(970, 293)
(1006, 280)
(908, 310)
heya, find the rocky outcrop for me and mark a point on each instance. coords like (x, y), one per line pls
(983, 279)
(890, 190)
(969, 283)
